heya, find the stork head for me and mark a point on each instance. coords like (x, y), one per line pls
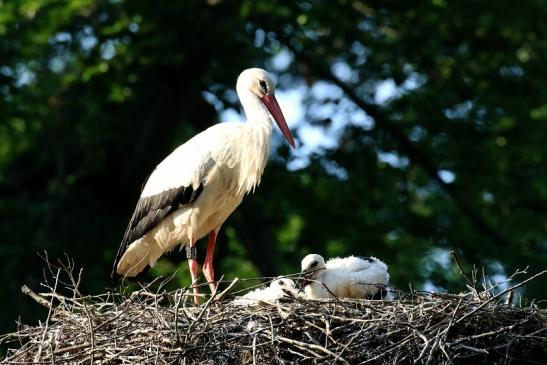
(311, 266)
(283, 284)
(260, 84)
(284, 287)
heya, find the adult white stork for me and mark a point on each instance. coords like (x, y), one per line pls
(348, 277)
(193, 191)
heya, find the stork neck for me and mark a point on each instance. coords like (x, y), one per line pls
(256, 112)
(255, 142)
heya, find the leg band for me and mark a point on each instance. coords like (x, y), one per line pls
(191, 252)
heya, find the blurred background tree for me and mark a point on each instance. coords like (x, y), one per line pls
(421, 129)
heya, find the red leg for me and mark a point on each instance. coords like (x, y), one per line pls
(193, 266)
(208, 270)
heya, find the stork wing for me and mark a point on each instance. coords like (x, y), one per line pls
(149, 212)
(360, 263)
(176, 182)
(351, 264)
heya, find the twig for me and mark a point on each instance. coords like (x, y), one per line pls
(462, 272)
(27, 291)
(225, 291)
(312, 346)
(91, 332)
(501, 294)
(39, 352)
(473, 349)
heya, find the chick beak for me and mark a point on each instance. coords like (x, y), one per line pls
(305, 279)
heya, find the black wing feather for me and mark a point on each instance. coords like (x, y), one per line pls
(150, 211)
(380, 294)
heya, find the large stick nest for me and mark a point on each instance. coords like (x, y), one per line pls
(165, 328)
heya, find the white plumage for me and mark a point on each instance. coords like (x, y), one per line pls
(348, 277)
(193, 191)
(277, 289)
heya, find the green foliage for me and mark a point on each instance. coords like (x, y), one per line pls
(93, 94)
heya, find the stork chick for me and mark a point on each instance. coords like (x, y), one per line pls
(277, 289)
(348, 277)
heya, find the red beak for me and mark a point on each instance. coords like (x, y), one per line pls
(271, 103)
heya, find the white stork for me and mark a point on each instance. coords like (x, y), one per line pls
(193, 191)
(348, 277)
(277, 289)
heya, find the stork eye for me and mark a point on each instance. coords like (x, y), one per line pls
(313, 265)
(263, 86)
(281, 282)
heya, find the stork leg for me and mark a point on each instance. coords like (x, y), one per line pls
(193, 266)
(208, 270)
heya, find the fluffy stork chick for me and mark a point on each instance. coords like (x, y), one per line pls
(194, 190)
(277, 289)
(348, 277)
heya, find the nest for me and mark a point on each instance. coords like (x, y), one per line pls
(164, 327)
